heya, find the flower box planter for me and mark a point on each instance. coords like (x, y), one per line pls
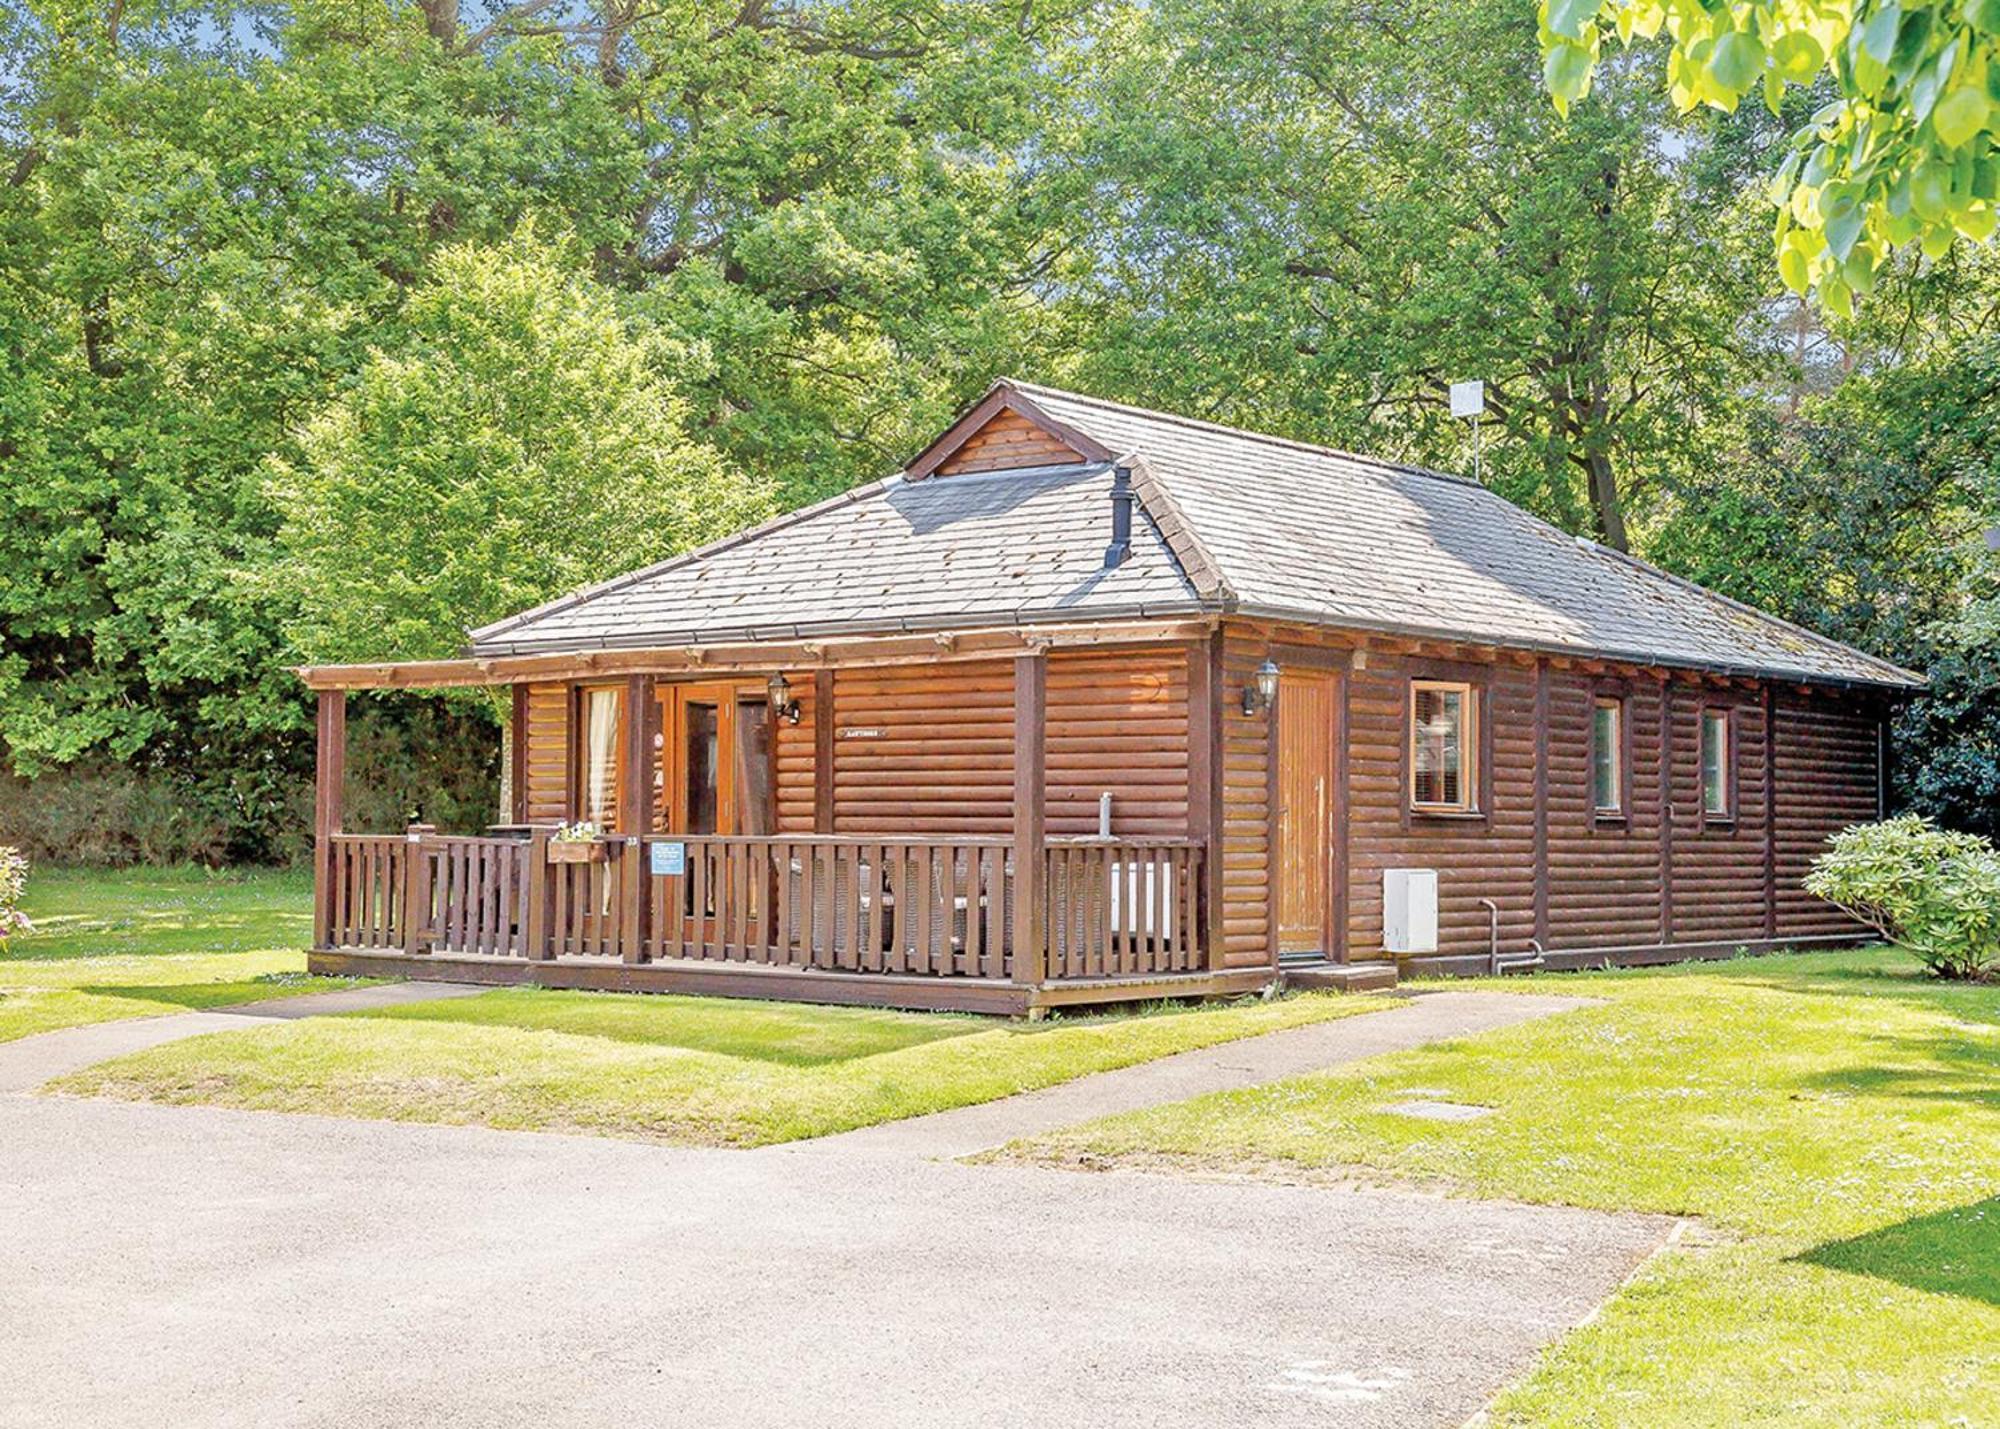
(578, 850)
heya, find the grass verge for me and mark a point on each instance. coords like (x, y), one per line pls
(112, 944)
(1833, 1119)
(685, 1070)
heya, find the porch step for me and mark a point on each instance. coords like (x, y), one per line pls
(1341, 977)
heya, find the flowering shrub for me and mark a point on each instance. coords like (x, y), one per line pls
(13, 885)
(1923, 888)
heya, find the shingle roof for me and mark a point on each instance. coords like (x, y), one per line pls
(1252, 524)
(957, 551)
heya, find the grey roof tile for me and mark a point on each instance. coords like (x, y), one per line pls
(1290, 529)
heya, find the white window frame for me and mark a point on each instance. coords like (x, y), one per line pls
(1616, 706)
(1468, 747)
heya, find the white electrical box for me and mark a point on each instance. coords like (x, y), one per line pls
(1409, 910)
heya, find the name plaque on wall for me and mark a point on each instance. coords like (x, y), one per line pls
(669, 860)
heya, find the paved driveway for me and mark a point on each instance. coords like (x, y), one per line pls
(192, 1267)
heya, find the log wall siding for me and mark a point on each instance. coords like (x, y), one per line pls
(1604, 883)
(1118, 724)
(928, 749)
(1718, 864)
(1008, 442)
(1604, 873)
(545, 764)
(924, 749)
(792, 757)
(1247, 935)
(1489, 856)
(1823, 751)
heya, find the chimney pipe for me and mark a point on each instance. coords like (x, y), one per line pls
(1121, 519)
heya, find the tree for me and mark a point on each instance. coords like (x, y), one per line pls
(516, 441)
(1388, 208)
(211, 215)
(1904, 149)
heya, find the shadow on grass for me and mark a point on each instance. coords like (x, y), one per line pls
(200, 995)
(775, 1033)
(1881, 974)
(1962, 1070)
(1954, 1252)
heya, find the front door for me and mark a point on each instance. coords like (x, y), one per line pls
(713, 777)
(1305, 812)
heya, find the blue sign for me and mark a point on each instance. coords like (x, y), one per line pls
(669, 860)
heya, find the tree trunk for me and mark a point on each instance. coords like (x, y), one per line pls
(1605, 501)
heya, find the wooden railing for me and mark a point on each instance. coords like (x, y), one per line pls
(937, 907)
(932, 907)
(362, 892)
(473, 894)
(1124, 909)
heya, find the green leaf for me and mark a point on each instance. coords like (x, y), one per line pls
(1568, 17)
(1960, 115)
(1983, 16)
(1798, 56)
(1930, 191)
(1566, 71)
(1878, 36)
(1841, 220)
(1737, 61)
(1976, 223)
(1793, 268)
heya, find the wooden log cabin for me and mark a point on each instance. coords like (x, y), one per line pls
(1091, 704)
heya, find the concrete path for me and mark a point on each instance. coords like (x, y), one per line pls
(27, 1062)
(1421, 1018)
(201, 1267)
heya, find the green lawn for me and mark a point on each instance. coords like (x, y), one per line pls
(138, 943)
(688, 1070)
(1832, 1120)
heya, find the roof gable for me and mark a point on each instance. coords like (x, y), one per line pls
(1004, 431)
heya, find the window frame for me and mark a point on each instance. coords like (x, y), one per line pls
(1722, 717)
(1621, 756)
(1470, 748)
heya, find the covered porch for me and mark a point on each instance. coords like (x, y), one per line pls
(893, 821)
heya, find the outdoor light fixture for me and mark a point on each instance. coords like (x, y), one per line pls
(783, 706)
(1262, 692)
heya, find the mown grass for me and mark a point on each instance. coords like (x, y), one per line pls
(1832, 1120)
(684, 1070)
(111, 944)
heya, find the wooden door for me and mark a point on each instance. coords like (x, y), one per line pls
(713, 776)
(694, 789)
(1304, 867)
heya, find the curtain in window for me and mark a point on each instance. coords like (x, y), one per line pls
(600, 747)
(1606, 747)
(1440, 747)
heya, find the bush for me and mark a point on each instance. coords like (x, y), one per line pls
(1923, 888)
(407, 756)
(13, 886)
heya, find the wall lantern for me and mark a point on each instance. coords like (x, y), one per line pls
(1262, 692)
(783, 706)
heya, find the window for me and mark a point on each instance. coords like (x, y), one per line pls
(1715, 757)
(602, 744)
(1444, 736)
(1607, 756)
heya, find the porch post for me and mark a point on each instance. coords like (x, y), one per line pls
(822, 751)
(329, 786)
(1031, 690)
(516, 811)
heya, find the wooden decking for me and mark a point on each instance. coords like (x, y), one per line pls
(926, 923)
